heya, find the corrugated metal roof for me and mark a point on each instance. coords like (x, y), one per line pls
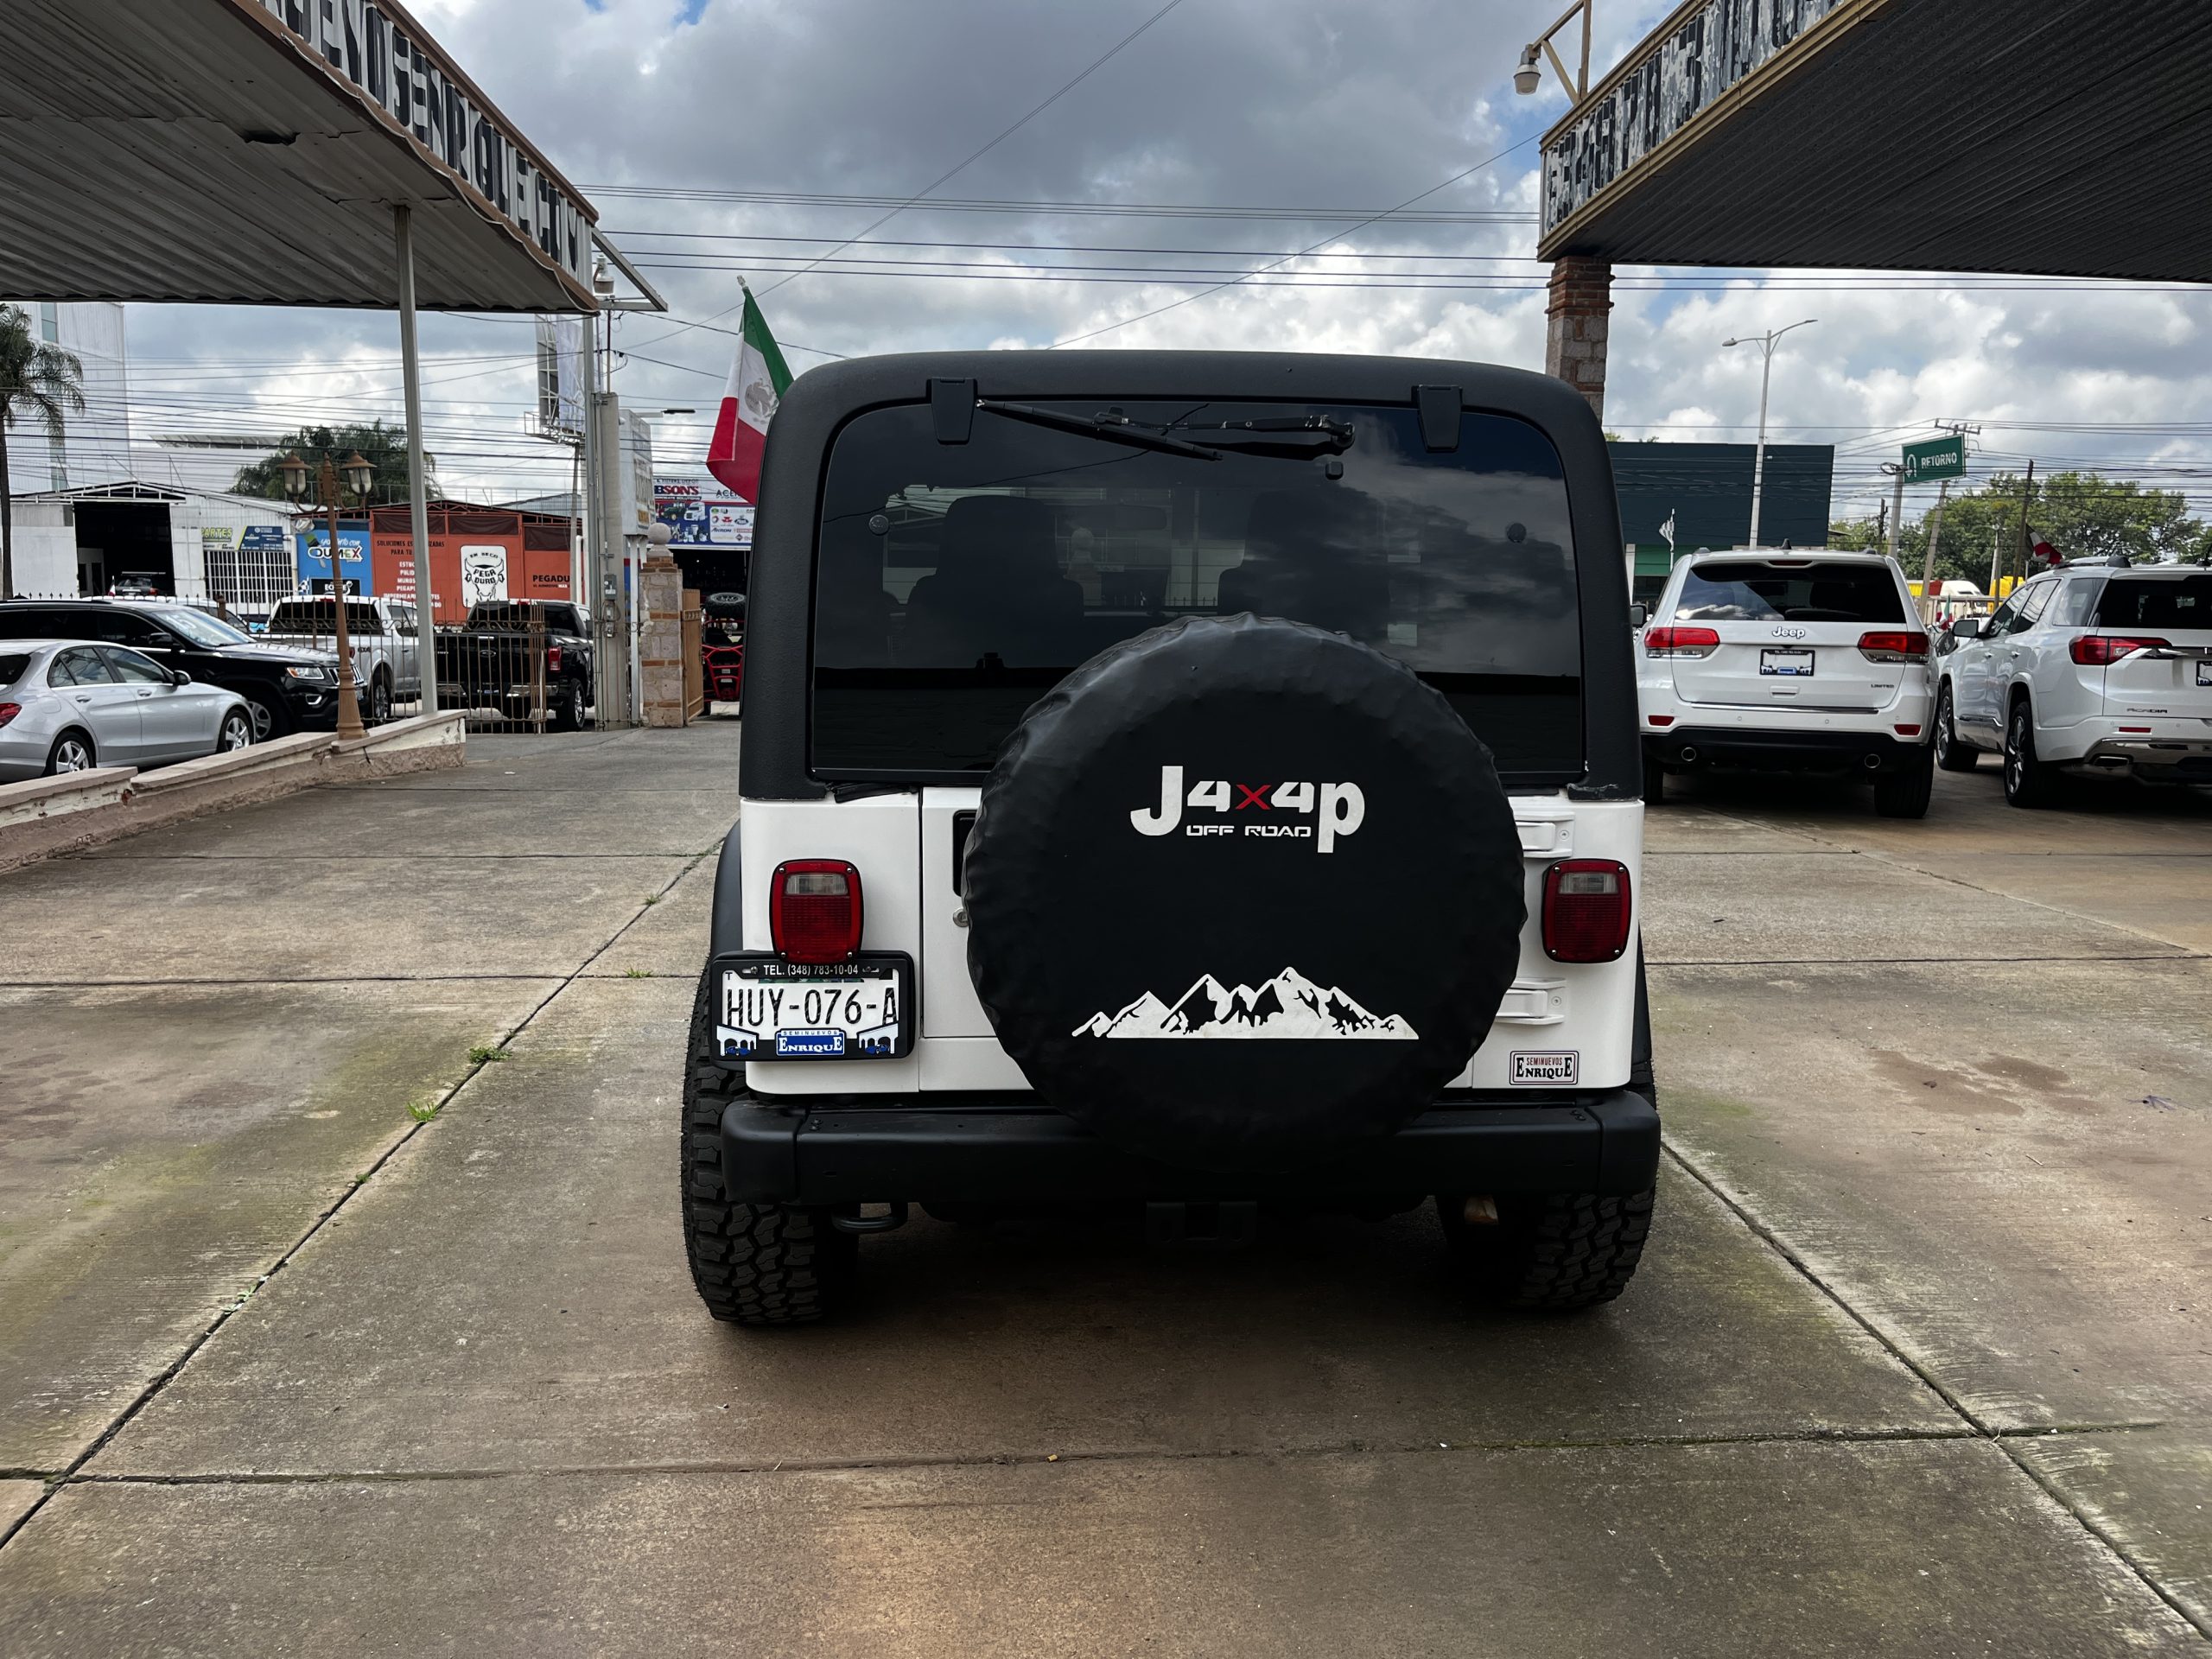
(2061, 137)
(126, 173)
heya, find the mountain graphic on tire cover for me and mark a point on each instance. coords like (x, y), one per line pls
(1287, 1006)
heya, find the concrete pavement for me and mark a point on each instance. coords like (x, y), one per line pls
(1917, 1364)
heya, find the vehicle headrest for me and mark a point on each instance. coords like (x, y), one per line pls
(997, 538)
(1306, 526)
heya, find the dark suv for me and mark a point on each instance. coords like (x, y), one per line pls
(1205, 784)
(286, 689)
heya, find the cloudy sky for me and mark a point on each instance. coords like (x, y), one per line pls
(662, 109)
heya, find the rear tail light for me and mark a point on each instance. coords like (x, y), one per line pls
(814, 910)
(1893, 646)
(1908, 731)
(9, 711)
(1681, 642)
(1661, 720)
(552, 659)
(1586, 910)
(2096, 649)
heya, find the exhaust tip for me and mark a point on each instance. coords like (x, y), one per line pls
(1873, 763)
(1689, 755)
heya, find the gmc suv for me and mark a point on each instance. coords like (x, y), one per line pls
(2087, 668)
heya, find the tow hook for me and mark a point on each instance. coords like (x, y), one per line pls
(894, 1217)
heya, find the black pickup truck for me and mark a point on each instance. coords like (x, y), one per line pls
(492, 661)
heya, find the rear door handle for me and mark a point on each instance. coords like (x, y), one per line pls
(146, 693)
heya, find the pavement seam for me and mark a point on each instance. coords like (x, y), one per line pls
(2003, 1439)
(1816, 1437)
(72, 1475)
(2179, 953)
(365, 857)
(1896, 863)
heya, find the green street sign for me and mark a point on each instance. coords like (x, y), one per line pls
(1937, 458)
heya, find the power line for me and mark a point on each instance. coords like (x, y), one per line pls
(1088, 69)
(1222, 211)
(1096, 64)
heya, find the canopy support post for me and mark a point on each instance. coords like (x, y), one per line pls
(417, 475)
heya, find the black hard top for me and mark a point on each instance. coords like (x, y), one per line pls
(773, 765)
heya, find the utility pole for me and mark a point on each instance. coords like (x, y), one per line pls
(1766, 343)
(1960, 430)
(1896, 469)
(1928, 565)
(2027, 495)
(1882, 523)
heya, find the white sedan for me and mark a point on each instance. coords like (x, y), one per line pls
(67, 705)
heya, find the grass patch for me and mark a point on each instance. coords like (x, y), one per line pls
(635, 973)
(652, 898)
(486, 1054)
(424, 1111)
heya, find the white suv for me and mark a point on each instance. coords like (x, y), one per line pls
(2090, 668)
(1186, 781)
(1789, 661)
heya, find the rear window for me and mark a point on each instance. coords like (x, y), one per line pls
(2180, 604)
(957, 583)
(311, 616)
(1755, 590)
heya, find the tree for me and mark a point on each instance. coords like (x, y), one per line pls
(44, 382)
(2083, 515)
(385, 448)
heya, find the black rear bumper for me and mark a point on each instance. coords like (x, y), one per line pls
(1730, 745)
(976, 1153)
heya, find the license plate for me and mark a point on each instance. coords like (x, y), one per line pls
(1790, 664)
(775, 1010)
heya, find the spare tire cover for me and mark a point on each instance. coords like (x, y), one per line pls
(1242, 892)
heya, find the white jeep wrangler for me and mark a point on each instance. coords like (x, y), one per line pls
(1184, 781)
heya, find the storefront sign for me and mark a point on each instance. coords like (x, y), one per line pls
(420, 89)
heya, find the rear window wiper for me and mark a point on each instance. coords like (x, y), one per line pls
(1294, 437)
(1112, 427)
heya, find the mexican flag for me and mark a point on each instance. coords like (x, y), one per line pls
(757, 380)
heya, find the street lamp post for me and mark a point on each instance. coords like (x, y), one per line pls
(359, 474)
(1765, 341)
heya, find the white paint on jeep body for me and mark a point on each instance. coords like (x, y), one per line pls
(902, 845)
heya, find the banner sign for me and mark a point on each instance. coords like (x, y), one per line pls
(421, 89)
(701, 513)
(314, 555)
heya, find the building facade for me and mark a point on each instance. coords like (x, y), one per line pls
(96, 446)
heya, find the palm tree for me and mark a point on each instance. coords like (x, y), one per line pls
(48, 384)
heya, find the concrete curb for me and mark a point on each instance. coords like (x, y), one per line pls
(46, 816)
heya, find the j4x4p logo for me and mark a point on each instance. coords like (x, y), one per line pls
(1331, 811)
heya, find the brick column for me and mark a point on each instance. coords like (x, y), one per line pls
(1575, 325)
(661, 640)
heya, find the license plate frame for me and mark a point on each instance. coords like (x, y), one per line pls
(1798, 664)
(762, 1008)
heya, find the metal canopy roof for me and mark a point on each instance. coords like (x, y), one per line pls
(2062, 137)
(252, 151)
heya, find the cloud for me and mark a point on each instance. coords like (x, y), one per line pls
(1303, 107)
